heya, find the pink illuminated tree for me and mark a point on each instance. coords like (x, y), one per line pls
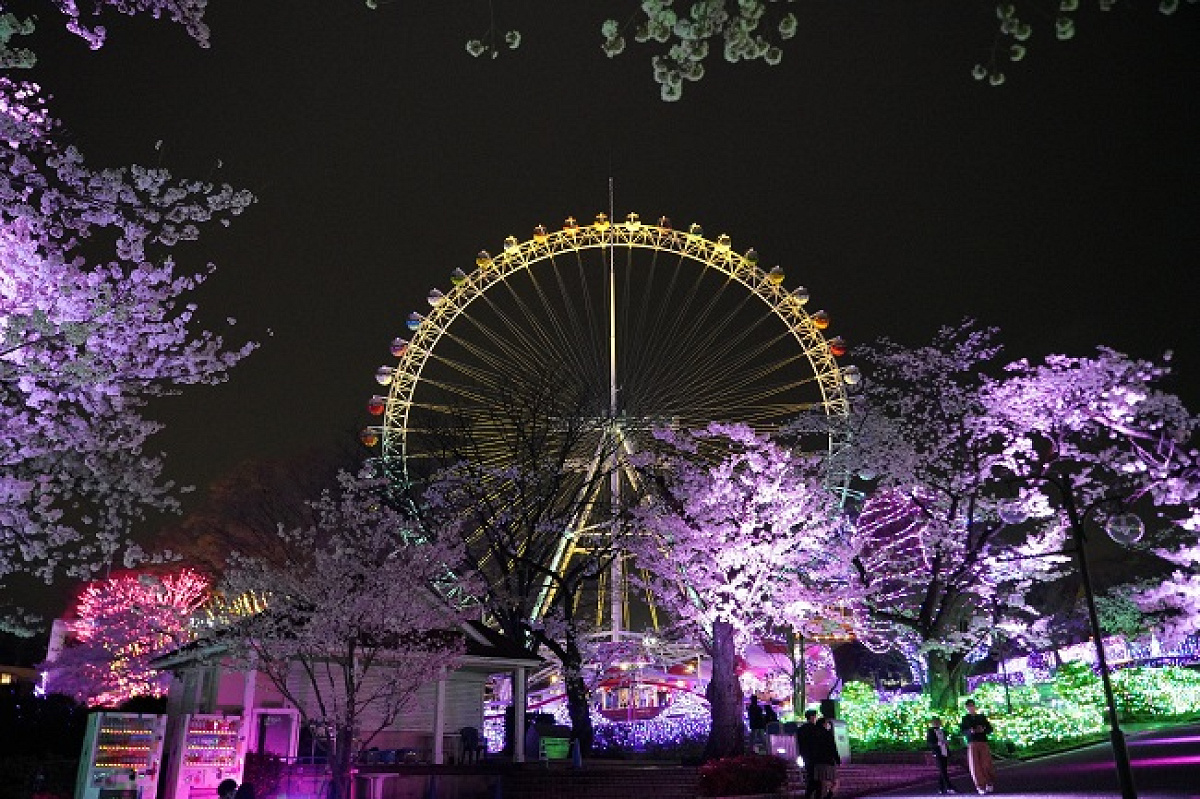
(354, 624)
(969, 477)
(739, 536)
(120, 625)
(94, 321)
(1105, 424)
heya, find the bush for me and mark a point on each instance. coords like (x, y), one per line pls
(264, 771)
(742, 776)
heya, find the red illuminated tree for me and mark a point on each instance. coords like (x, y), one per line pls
(353, 624)
(740, 536)
(94, 321)
(119, 626)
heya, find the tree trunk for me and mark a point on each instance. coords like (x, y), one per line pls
(728, 734)
(579, 704)
(944, 676)
(339, 782)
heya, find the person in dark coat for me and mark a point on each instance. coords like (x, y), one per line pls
(939, 744)
(758, 726)
(805, 738)
(825, 759)
(226, 789)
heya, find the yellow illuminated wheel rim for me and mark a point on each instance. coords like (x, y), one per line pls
(691, 332)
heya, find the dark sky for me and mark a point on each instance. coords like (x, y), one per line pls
(1062, 207)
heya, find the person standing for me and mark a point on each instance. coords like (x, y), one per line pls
(939, 744)
(825, 759)
(806, 735)
(976, 727)
(758, 726)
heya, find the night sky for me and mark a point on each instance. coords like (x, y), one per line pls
(1062, 207)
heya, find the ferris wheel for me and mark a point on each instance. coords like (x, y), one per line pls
(653, 326)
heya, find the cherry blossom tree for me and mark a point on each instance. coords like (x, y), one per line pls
(513, 512)
(952, 453)
(739, 537)
(353, 625)
(1102, 429)
(94, 321)
(120, 625)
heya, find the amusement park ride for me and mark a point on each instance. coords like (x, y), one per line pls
(661, 327)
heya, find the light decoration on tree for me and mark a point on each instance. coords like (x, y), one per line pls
(120, 625)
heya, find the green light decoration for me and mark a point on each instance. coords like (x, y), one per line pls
(1069, 707)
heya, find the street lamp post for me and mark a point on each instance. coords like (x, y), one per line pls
(1079, 536)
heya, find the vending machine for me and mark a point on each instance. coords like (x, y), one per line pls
(210, 750)
(122, 754)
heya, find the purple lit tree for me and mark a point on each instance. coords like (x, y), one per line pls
(1104, 424)
(120, 625)
(738, 536)
(94, 321)
(353, 625)
(955, 458)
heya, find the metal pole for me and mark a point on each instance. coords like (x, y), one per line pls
(1120, 752)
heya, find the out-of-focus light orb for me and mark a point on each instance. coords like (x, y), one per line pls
(1125, 528)
(1012, 513)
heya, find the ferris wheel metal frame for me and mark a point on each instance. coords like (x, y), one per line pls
(767, 286)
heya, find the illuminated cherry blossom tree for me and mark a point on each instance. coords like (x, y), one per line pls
(969, 477)
(1123, 442)
(740, 537)
(353, 625)
(94, 321)
(120, 625)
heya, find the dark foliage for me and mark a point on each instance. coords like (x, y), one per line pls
(742, 776)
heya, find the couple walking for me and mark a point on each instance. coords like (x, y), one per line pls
(975, 728)
(818, 749)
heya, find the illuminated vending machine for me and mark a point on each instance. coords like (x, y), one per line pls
(121, 756)
(211, 750)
